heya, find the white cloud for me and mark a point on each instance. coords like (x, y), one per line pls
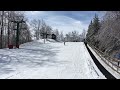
(66, 24)
(58, 21)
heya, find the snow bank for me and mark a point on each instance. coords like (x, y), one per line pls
(114, 73)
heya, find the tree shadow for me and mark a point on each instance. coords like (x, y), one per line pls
(48, 63)
(32, 57)
(6, 70)
(40, 56)
(4, 62)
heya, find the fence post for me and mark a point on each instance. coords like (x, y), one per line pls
(118, 66)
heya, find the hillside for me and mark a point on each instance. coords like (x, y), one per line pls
(107, 38)
(52, 60)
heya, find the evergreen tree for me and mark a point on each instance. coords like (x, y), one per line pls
(96, 24)
(89, 32)
(93, 28)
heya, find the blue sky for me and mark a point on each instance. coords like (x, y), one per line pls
(65, 21)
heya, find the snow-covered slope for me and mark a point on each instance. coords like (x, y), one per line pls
(48, 61)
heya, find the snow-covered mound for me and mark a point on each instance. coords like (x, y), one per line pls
(51, 40)
(41, 41)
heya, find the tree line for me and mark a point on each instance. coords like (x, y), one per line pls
(74, 36)
(41, 30)
(44, 31)
(7, 28)
(104, 34)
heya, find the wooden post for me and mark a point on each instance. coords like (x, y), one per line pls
(117, 65)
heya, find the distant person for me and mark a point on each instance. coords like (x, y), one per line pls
(64, 41)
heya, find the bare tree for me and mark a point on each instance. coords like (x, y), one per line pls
(107, 38)
(2, 15)
(61, 36)
(7, 32)
(57, 34)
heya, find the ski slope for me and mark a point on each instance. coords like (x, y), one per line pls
(52, 60)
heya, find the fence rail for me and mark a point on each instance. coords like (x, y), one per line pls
(111, 62)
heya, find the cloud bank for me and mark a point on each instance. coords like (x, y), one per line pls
(65, 21)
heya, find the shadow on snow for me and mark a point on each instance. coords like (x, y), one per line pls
(30, 57)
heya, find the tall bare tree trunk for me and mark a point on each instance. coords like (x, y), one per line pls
(2, 28)
(8, 32)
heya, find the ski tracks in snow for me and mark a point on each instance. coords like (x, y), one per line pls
(52, 61)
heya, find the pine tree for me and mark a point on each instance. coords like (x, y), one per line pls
(93, 28)
(96, 24)
(90, 27)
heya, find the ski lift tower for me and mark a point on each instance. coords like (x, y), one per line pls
(17, 20)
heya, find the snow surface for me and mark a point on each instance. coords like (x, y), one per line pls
(52, 60)
(108, 68)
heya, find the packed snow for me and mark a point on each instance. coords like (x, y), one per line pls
(52, 60)
(108, 68)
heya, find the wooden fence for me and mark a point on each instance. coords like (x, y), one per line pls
(111, 62)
